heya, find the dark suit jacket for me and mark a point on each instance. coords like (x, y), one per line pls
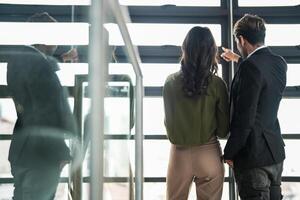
(256, 92)
(44, 116)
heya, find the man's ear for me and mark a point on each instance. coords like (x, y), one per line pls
(242, 40)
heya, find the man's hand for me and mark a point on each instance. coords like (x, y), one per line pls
(229, 162)
(229, 55)
(70, 56)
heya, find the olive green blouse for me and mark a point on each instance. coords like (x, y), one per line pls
(194, 121)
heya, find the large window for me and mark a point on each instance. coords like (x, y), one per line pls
(158, 33)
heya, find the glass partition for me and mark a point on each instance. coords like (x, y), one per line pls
(74, 76)
(118, 123)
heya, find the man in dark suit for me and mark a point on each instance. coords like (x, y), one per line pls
(255, 148)
(38, 150)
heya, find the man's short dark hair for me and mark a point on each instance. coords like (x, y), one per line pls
(252, 28)
(41, 17)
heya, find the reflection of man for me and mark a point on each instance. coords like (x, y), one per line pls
(38, 150)
(255, 148)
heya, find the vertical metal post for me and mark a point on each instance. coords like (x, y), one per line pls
(139, 138)
(232, 190)
(97, 72)
(76, 176)
(132, 51)
(230, 38)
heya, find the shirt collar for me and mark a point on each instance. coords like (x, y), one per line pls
(263, 46)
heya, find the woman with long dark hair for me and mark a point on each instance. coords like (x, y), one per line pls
(196, 114)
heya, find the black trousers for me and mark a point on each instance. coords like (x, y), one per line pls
(262, 183)
(35, 183)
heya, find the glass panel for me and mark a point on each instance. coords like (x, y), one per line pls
(172, 2)
(116, 158)
(3, 69)
(293, 74)
(156, 158)
(17, 33)
(116, 191)
(157, 191)
(8, 116)
(155, 74)
(288, 116)
(6, 191)
(275, 32)
(291, 191)
(117, 120)
(44, 33)
(158, 34)
(4, 164)
(154, 116)
(291, 163)
(257, 3)
(67, 72)
(46, 2)
(62, 192)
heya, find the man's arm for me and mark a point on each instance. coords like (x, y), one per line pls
(245, 107)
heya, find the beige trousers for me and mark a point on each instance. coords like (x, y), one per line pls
(201, 164)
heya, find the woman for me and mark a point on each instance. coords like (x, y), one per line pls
(196, 114)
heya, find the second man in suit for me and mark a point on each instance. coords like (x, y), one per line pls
(255, 148)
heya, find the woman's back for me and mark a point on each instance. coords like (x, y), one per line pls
(193, 121)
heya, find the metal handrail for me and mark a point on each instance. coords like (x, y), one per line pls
(122, 17)
(98, 68)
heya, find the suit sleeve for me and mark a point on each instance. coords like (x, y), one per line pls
(222, 111)
(244, 113)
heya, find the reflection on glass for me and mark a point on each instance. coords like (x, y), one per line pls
(288, 115)
(172, 2)
(158, 34)
(275, 32)
(256, 3)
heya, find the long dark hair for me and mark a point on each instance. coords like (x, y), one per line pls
(198, 61)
